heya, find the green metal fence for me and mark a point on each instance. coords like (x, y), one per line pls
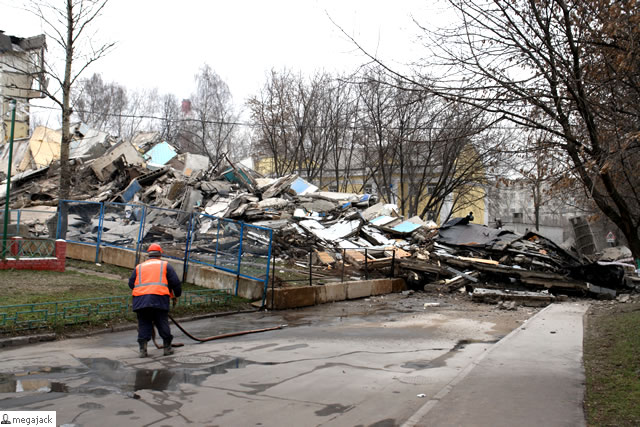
(47, 314)
(29, 248)
(35, 248)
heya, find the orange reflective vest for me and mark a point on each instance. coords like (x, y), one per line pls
(151, 278)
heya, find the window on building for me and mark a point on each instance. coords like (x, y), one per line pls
(517, 217)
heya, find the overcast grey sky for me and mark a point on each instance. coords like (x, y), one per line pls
(162, 43)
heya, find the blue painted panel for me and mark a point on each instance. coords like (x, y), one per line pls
(406, 227)
(131, 190)
(160, 154)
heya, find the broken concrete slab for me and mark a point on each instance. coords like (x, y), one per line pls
(44, 148)
(615, 253)
(380, 209)
(279, 186)
(529, 299)
(302, 187)
(91, 145)
(194, 163)
(104, 166)
(274, 203)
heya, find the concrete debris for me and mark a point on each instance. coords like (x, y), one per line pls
(526, 268)
(346, 232)
(508, 299)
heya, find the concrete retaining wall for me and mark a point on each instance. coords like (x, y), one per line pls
(212, 278)
(311, 295)
(197, 274)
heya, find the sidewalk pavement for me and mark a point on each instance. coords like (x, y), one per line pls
(532, 377)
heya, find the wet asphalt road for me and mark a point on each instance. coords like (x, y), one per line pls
(356, 363)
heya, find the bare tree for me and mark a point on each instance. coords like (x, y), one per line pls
(424, 150)
(567, 67)
(339, 134)
(170, 116)
(210, 128)
(100, 104)
(275, 114)
(69, 28)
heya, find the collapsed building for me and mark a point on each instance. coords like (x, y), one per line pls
(324, 232)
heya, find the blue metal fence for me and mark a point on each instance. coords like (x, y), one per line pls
(121, 225)
(232, 246)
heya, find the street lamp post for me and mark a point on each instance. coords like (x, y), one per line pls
(12, 105)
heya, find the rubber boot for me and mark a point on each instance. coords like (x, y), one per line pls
(143, 348)
(167, 348)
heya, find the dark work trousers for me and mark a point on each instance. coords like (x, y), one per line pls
(147, 317)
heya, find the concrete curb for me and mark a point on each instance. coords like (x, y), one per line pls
(33, 339)
(419, 415)
(26, 339)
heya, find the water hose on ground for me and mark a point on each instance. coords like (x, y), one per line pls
(215, 337)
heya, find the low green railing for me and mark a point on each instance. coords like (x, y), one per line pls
(44, 314)
(28, 248)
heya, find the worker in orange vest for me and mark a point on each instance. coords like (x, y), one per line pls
(153, 283)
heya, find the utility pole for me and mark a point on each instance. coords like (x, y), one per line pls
(12, 105)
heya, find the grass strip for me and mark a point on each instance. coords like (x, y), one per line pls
(612, 366)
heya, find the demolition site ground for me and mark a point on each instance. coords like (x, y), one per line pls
(453, 328)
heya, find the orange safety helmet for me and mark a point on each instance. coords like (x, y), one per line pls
(154, 247)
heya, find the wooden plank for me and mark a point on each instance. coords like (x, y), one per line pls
(325, 258)
(400, 253)
(425, 266)
(354, 257)
(480, 260)
(460, 273)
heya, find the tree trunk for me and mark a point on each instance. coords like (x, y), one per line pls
(65, 172)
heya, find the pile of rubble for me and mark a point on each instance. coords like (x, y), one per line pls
(338, 228)
(498, 265)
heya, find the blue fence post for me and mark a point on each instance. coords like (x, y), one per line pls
(239, 256)
(266, 280)
(18, 225)
(59, 219)
(215, 258)
(99, 231)
(140, 230)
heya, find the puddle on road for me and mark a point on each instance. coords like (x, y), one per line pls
(334, 408)
(441, 361)
(105, 375)
(10, 383)
(104, 372)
